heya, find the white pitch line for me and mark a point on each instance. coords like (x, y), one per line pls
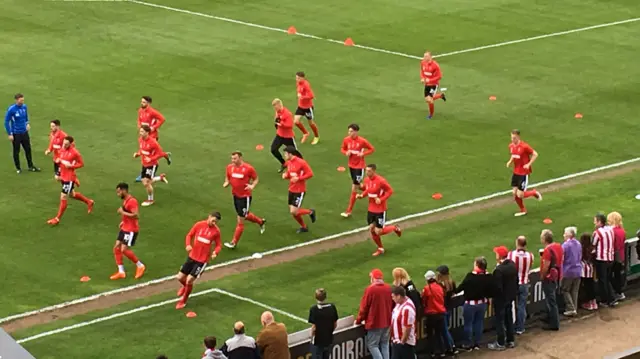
(259, 304)
(304, 244)
(396, 53)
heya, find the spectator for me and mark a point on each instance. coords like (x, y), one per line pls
(505, 279)
(211, 352)
(324, 319)
(551, 273)
(240, 346)
(434, 311)
(587, 283)
(477, 291)
(273, 340)
(449, 285)
(375, 310)
(603, 241)
(523, 261)
(618, 278)
(571, 271)
(401, 278)
(403, 325)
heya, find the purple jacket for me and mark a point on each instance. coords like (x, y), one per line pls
(572, 264)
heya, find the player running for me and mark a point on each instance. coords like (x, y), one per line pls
(378, 190)
(56, 138)
(128, 234)
(430, 76)
(284, 131)
(243, 179)
(149, 116)
(150, 152)
(522, 157)
(305, 108)
(203, 234)
(69, 160)
(355, 148)
(298, 172)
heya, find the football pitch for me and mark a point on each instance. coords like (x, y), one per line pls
(213, 67)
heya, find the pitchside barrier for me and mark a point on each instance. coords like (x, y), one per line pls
(349, 342)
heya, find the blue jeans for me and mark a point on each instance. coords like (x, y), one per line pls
(473, 322)
(320, 352)
(378, 342)
(521, 306)
(550, 288)
(449, 344)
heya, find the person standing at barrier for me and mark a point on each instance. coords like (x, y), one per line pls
(505, 284)
(551, 273)
(240, 346)
(449, 285)
(323, 318)
(210, 349)
(434, 311)
(571, 271)
(603, 241)
(477, 287)
(273, 340)
(587, 295)
(523, 261)
(402, 279)
(403, 325)
(375, 310)
(618, 277)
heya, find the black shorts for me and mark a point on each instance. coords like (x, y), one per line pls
(357, 174)
(128, 238)
(377, 218)
(242, 205)
(56, 169)
(520, 181)
(279, 141)
(429, 91)
(192, 268)
(295, 199)
(67, 187)
(149, 172)
(306, 112)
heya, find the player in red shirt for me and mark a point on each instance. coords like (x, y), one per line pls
(284, 131)
(69, 160)
(298, 172)
(203, 234)
(243, 179)
(378, 190)
(522, 157)
(305, 108)
(149, 152)
(355, 148)
(149, 116)
(430, 76)
(56, 138)
(128, 234)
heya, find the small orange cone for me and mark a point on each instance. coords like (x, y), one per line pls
(348, 42)
(437, 196)
(292, 30)
(578, 115)
(259, 147)
(341, 169)
(492, 98)
(191, 314)
(547, 221)
(85, 278)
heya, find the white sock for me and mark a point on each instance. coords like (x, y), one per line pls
(157, 178)
(139, 264)
(120, 268)
(150, 197)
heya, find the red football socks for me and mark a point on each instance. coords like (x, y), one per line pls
(352, 202)
(80, 197)
(431, 109)
(314, 128)
(376, 238)
(253, 218)
(238, 233)
(300, 221)
(520, 203)
(530, 193)
(388, 229)
(302, 129)
(62, 208)
(129, 254)
(117, 253)
(187, 291)
(437, 96)
(303, 211)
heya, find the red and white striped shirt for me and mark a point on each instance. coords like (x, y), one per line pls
(524, 262)
(404, 316)
(587, 269)
(603, 240)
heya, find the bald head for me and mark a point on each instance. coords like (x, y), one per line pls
(238, 328)
(521, 242)
(266, 318)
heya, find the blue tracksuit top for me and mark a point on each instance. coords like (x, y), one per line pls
(16, 120)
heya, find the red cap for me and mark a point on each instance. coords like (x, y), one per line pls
(501, 251)
(376, 274)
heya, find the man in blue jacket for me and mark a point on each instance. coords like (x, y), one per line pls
(16, 123)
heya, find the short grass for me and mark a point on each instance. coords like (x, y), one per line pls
(88, 63)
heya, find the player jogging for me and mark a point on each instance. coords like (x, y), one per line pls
(203, 234)
(355, 148)
(243, 179)
(305, 108)
(298, 172)
(522, 157)
(378, 190)
(69, 160)
(284, 131)
(430, 76)
(56, 139)
(149, 116)
(128, 234)
(150, 152)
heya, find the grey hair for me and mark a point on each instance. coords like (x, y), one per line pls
(571, 230)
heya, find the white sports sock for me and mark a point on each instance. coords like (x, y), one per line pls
(157, 179)
(150, 197)
(139, 264)
(120, 268)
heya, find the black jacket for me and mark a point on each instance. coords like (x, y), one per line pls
(414, 294)
(476, 286)
(241, 346)
(505, 282)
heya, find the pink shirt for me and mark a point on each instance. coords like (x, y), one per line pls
(619, 238)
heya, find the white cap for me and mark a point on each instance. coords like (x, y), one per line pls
(429, 275)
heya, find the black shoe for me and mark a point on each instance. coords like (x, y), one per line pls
(444, 98)
(613, 304)
(302, 230)
(312, 215)
(550, 328)
(466, 348)
(34, 169)
(604, 305)
(168, 158)
(282, 168)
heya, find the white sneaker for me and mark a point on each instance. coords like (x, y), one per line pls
(621, 296)
(345, 214)
(538, 196)
(163, 178)
(519, 214)
(147, 203)
(263, 226)
(230, 245)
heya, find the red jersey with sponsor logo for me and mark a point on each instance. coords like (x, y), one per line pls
(284, 127)
(297, 167)
(357, 148)
(150, 151)
(305, 94)
(55, 142)
(377, 187)
(239, 177)
(203, 237)
(521, 154)
(129, 205)
(72, 158)
(430, 72)
(151, 117)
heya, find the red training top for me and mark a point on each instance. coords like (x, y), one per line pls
(55, 142)
(521, 154)
(357, 148)
(430, 72)
(297, 167)
(377, 187)
(72, 158)
(285, 125)
(203, 236)
(619, 237)
(239, 177)
(151, 117)
(376, 306)
(554, 273)
(129, 224)
(433, 299)
(150, 151)
(305, 98)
